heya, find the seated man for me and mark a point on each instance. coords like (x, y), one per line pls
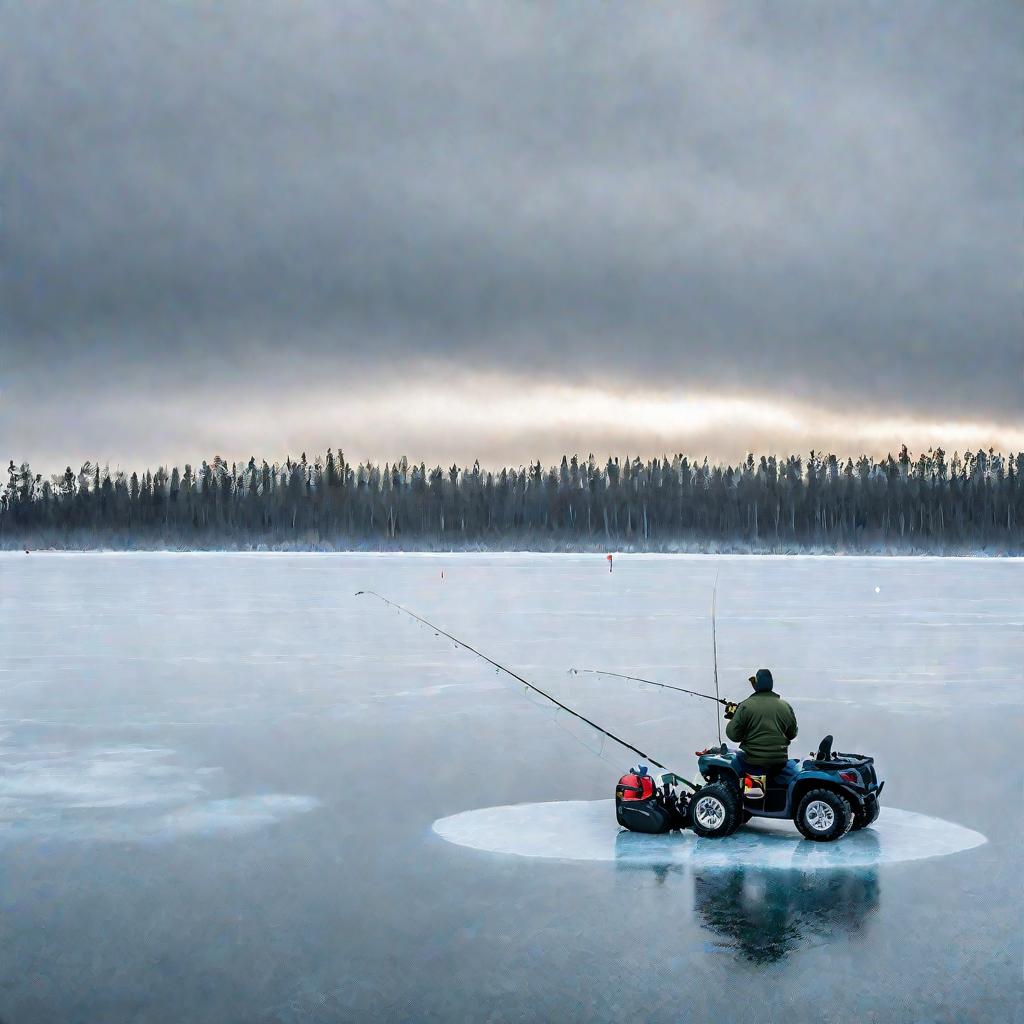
(763, 725)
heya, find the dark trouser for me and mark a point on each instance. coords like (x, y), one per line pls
(775, 783)
(745, 767)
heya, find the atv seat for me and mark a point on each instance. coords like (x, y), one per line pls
(824, 759)
(827, 759)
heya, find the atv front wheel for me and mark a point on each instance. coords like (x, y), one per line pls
(714, 811)
(866, 816)
(823, 816)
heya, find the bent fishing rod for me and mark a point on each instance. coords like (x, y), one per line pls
(649, 682)
(714, 647)
(530, 686)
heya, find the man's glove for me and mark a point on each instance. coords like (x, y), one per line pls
(730, 709)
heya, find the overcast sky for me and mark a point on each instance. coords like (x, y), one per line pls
(503, 230)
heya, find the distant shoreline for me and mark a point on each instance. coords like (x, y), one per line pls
(769, 505)
(11, 545)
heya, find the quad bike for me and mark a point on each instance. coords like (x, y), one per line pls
(826, 796)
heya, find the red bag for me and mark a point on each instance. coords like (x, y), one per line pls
(634, 787)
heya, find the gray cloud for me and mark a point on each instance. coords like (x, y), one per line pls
(821, 201)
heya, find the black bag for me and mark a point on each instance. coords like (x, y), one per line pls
(638, 805)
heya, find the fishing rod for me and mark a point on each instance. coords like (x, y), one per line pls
(649, 682)
(718, 699)
(714, 647)
(530, 686)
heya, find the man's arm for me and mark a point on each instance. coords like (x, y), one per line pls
(791, 727)
(736, 730)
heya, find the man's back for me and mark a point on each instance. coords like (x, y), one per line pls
(763, 725)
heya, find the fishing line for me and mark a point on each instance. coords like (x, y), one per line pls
(530, 686)
(649, 682)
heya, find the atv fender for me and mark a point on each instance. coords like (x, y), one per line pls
(820, 780)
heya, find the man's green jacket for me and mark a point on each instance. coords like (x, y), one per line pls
(763, 726)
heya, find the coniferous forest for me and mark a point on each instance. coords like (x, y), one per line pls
(973, 502)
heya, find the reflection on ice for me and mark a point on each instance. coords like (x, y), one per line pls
(586, 830)
(765, 915)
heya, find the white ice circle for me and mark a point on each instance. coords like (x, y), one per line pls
(585, 830)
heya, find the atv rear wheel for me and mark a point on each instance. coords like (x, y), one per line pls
(862, 817)
(714, 811)
(823, 816)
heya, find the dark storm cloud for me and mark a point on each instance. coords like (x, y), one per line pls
(814, 200)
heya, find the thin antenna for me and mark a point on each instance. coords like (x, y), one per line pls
(714, 647)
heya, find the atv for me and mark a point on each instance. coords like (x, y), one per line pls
(826, 796)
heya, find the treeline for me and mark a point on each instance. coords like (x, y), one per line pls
(819, 502)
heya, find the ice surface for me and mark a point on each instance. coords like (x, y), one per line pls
(585, 830)
(219, 776)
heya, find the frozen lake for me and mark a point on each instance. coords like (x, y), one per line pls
(220, 774)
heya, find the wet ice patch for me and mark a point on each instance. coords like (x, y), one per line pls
(124, 793)
(126, 776)
(585, 830)
(240, 814)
